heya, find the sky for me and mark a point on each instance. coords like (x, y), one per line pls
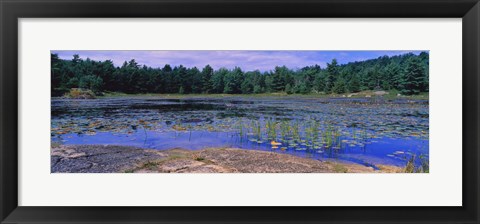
(246, 60)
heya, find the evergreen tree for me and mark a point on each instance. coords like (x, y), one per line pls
(393, 75)
(248, 83)
(339, 86)
(56, 75)
(233, 81)
(319, 83)
(217, 80)
(354, 85)
(288, 89)
(301, 88)
(424, 57)
(257, 89)
(207, 74)
(107, 71)
(269, 83)
(332, 74)
(195, 80)
(167, 78)
(407, 73)
(279, 77)
(180, 79)
(414, 76)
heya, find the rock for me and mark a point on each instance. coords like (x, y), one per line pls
(118, 159)
(380, 93)
(368, 96)
(99, 158)
(176, 165)
(398, 94)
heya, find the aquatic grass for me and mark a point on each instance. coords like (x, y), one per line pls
(240, 129)
(284, 129)
(319, 128)
(410, 167)
(417, 164)
(143, 124)
(258, 130)
(312, 132)
(329, 135)
(295, 127)
(252, 127)
(271, 127)
(424, 164)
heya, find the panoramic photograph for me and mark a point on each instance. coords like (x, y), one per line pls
(239, 111)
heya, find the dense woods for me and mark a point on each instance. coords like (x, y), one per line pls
(407, 73)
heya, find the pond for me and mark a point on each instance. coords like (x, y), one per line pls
(368, 131)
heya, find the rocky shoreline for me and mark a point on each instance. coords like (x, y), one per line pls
(127, 159)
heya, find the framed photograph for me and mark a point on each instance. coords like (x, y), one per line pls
(239, 111)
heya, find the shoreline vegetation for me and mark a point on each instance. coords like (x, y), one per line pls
(129, 159)
(76, 93)
(406, 74)
(376, 107)
(330, 137)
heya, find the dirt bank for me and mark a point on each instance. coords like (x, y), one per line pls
(126, 159)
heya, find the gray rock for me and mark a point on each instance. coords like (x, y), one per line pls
(99, 159)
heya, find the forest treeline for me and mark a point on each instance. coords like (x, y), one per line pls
(407, 73)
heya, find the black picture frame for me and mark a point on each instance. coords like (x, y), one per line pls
(11, 11)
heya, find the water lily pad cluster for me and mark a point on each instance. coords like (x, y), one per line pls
(314, 125)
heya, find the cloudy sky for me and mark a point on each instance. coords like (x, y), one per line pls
(247, 60)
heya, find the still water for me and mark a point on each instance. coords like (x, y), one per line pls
(364, 131)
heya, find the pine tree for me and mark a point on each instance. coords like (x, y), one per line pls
(340, 86)
(248, 83)
(279, 76)
(424, 57)
(257, 89)
(207, 74)
(217, 80)
(268, 83)
(318, 83)
(301, 88)
(413, 78)
(332, 74)
(233, 81)
(354, 85)
(195, 80)
(407, 73)
(288, 89)
(393, 75)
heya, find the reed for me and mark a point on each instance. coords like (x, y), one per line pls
(240, 128)
(284, 130)
(271, 129)
(295, 131)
